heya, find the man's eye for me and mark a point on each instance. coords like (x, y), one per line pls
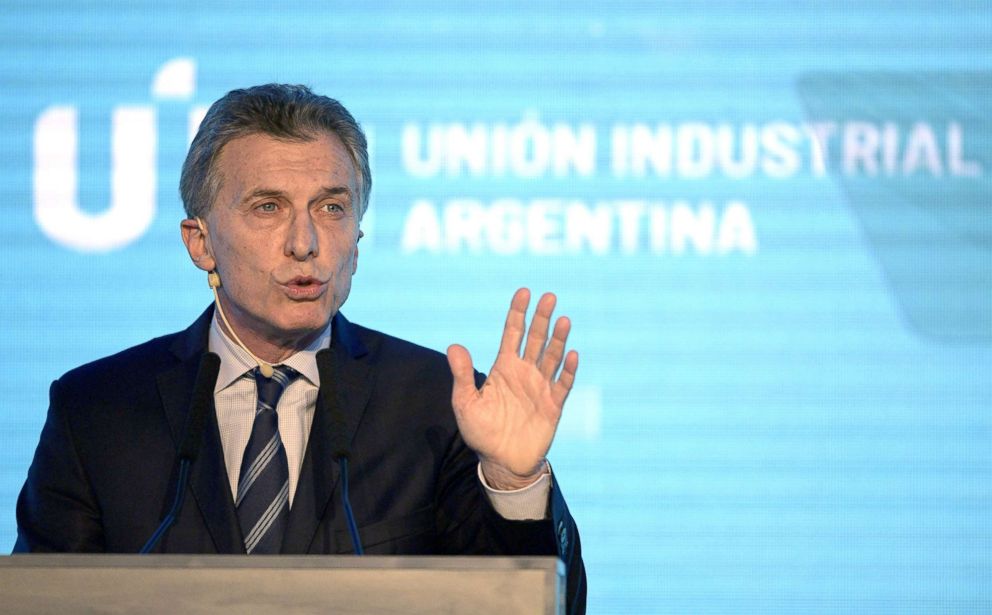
(268, 207)
(332, 208)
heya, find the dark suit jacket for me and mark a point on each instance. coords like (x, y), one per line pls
(105, 470)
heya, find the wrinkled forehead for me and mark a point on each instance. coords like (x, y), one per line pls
(260, 158)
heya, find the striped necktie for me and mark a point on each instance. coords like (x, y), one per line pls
(263, 485)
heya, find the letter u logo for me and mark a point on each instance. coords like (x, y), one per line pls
(132, 182)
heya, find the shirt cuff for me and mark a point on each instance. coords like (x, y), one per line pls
(527, 504)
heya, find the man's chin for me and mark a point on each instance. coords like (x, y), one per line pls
(294, 323)
(304, 326)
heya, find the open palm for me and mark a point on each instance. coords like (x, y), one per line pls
(511, 421)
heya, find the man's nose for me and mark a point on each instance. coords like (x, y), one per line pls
(301, 243)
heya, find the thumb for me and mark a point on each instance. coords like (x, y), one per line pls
(460, 362)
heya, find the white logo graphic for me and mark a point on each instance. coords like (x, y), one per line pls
(134, 144)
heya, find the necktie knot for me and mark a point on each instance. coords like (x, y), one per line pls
(271, 389)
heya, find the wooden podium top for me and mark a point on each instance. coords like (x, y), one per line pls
(280, 584)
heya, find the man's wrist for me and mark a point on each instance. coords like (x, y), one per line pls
(527, 504)
(502, 479)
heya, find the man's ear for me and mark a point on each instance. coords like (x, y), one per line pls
(197, 243)
(354, 258)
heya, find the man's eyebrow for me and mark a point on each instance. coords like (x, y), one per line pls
(325, 192)
(263, 193)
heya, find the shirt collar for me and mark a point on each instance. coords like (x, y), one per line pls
(235, 362)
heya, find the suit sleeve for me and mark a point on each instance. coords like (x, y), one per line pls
(56, 510)
(557, 535)
(472, 526)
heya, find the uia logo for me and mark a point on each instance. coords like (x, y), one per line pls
(133, 164)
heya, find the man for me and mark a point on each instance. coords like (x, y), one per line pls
(275, 185)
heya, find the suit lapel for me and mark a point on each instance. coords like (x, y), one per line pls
(349, 391)
(208, 475)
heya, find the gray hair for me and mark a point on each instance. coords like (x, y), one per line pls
(290, 112)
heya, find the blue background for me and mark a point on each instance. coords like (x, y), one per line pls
(800, 428)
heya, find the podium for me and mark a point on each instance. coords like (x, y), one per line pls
(282, 584)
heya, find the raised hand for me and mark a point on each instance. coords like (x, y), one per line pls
(511, 421)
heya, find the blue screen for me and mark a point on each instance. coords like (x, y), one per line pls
(769, 223)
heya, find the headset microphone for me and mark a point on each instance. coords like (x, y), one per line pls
(213, 280)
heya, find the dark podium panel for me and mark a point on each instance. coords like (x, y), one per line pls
(282, 584)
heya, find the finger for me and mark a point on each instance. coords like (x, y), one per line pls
(513, 330)
(537, 337)
(551, 359)
(460, 362)
(561, 389)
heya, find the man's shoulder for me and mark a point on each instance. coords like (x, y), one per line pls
(402, 358)
(140, 362)
(385, 347)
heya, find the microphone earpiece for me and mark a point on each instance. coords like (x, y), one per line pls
(213, 281)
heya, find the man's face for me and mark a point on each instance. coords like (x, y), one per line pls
(283, 233)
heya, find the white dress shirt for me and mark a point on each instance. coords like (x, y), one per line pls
(235, 398)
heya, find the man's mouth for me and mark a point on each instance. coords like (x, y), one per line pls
(304, 287)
